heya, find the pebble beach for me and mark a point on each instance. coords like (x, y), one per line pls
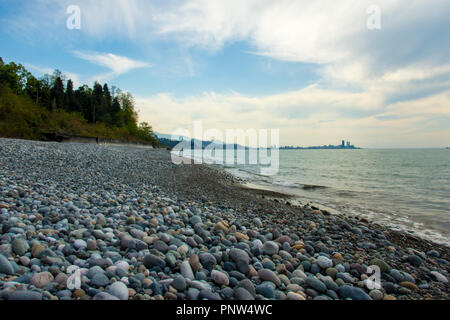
(138, 227)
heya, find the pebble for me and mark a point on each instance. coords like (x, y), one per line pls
(99, 280)
(114, 215)
(186, 270)
(239, 256)
(105, 296)
(20, 246)
(119, 290)
(25, 295)
(316, 284)
(269, 275)
(209, 295)
(194, 261)
(294, 296)
(409, 285)
(40, 280)
(257, 222)
(414, 260)
(179, 283)
(324, 262)
(5, 266)
(270, 248)
(439, 277)
(150, 261)
(384, 267)
(376, 295)
(80, 244)
(242, 295)
(266, 290)
(353, 293)
(220, 278)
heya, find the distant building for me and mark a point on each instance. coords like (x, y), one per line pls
(343, 143)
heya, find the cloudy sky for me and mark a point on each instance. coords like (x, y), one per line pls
(312, 69)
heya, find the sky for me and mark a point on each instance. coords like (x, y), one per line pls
(376, 73)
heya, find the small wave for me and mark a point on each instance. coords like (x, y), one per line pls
(313, 187)
(286, 184)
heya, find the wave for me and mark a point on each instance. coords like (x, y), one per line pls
(313, 187)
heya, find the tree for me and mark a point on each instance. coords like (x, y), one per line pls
(57, 93)
(83, 96)
(127, 115)
(107, 96)
(23, 93)
(115, 110)
(99, 106)
(33, 89)
(45, 91)
(15, 76)
(70, 102)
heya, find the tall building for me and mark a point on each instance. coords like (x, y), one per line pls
(343, 143)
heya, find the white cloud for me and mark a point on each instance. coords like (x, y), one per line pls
(332, 34)
(308, 116)
(379, 85)
(117, 64)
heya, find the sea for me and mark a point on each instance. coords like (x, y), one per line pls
(404, 189)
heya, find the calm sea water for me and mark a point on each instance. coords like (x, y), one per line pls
(405, 189)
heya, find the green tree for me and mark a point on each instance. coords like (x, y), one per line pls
(15, 76)
(127, 115)
(99, 105)
(21, 95)
(70, 102)
(57, 93)
(34, 89)
(107, 97)
(115, 111)
(45, 91)
(84, 98)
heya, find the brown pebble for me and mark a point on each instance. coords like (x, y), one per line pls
(79, 293)
(409, 285)
(241, 237)
(338, 256)
(195, 263)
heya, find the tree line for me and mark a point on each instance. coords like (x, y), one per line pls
(98, 104)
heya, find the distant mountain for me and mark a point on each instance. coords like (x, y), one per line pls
(167, 140)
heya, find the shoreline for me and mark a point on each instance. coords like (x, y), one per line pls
(298, 201)
(187, 232)
(292, 202)
(427, 234)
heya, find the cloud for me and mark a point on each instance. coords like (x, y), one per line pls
(117, 64)
(331, 34)
(309, 116)
(379, 85)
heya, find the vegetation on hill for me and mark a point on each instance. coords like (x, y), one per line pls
(31, 108)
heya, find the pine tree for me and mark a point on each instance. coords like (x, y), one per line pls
(57, 93)
(115, 110)
(99, 106)
(70, 102)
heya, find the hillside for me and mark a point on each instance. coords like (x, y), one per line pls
(33, 109)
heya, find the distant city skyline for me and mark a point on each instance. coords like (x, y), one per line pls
(316, 70)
